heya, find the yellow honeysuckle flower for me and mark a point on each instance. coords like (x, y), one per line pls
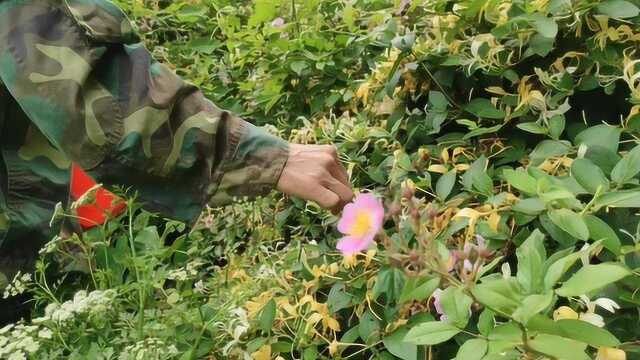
(565, 312)
(494, 221)
(264, 353)
(605, 353)
(437, 168)
(333, 347)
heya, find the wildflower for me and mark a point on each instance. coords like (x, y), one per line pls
(565, 312)
(360, 222)
(18, 355)
(18, 285)
(590, 315)
(199, 287)
(606, 353)
(45, 334)
(278, 23)
(438, 305)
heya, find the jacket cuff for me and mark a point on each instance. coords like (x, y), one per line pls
(254, 167)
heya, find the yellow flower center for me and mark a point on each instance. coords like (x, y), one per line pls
(361, 225)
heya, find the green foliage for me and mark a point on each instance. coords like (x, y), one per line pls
(501, 134)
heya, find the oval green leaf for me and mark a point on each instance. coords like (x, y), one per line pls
(592, 277)
(431, 333)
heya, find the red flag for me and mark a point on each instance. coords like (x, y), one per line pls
(106, 203)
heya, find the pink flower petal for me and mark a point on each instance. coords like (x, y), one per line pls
(350, 245)
(436, 301)
(481, 242)
(348, 218)
(372, 205)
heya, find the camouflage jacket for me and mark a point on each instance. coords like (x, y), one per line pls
(76, 85)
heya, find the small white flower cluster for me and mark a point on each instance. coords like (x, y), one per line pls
(151, 348)
(18, 285)
(94, 303)
(51, 246)
(200, 288)
(19, 340)
(237, 326)
(184, 273)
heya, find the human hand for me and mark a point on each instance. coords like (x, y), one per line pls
(313, 172)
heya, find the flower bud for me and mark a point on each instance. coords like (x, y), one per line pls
(408, 189)
(606, 353)
(394, 209)
(424, 154)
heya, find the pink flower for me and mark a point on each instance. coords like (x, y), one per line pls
(278, 23)
(438, 305)
(360, 222)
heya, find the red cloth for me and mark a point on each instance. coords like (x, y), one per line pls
(106, 204)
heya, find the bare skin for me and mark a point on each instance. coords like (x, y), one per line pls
(314, 173)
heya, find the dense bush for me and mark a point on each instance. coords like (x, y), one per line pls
(502, 136)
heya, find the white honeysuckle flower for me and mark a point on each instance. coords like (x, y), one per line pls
(592, 318)
(506, 270)
(585, 255)
(607, 304)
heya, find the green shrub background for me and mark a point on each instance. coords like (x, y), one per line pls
(517, 121)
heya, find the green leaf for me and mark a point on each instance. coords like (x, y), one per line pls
(621, 199)
(479, 178)
(532, 127)
(558, 347)
(438, 100)
(627, 167)
(578, 330)
(457, 305)
(559, 268)
(589, 175)
(530, 206)
(570, 222)
(618, 9)
(431, 333)
(264, 10)
(520, 180)
(531, 255)
(267, 316)
(599, 230)
(418, 288)
(148, 240)
(486, 322)
(445, 184)
(338, 298)
(592, 277)
(556, 233)
(604, 136)
(483, 108)
(499, 294)
(541, 46)
(390, 282)
(369, 328)
(298, 67)
(473, 349)
(547, 149)
(545, 26)
(532, 305)
(396, 345)
(556, 126)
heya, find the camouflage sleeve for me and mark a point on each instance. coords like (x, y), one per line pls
(80, 73)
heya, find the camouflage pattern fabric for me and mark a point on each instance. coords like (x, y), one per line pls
(79, 86)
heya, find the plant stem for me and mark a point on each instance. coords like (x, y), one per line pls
(135, 267)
